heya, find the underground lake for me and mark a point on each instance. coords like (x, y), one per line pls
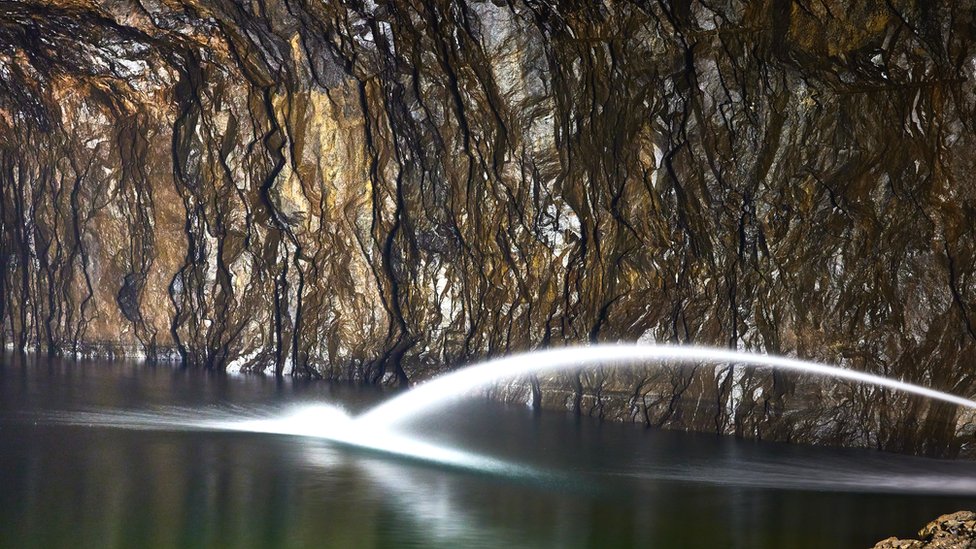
(121, 454)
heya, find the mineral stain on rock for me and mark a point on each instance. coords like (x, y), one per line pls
(379, 190)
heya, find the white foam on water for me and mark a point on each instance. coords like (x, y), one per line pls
(318, 421)
(334, 424)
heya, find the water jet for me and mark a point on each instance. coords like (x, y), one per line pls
(441, 391)
(381, 428)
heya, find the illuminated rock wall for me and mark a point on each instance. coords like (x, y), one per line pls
(379, 190)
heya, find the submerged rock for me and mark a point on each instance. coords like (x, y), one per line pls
(954, 531)
(381, 190)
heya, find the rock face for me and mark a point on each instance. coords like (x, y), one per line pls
(377, 190)
(955, 531)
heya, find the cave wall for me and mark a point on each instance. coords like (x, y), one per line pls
(377, 191)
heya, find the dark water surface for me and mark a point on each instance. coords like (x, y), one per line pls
(69, 484)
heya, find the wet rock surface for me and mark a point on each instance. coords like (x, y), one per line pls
(954, 531)
(378, 191)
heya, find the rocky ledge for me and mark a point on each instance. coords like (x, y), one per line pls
(954, 531)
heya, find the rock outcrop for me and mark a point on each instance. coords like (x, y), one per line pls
(378, 190)
(955, 531)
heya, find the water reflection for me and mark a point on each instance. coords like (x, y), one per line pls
(85, 485)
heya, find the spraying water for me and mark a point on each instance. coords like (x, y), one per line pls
(378, 428)
(334, 424)
(318, 421)
(441, 391)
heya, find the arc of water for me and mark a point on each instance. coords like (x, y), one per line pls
(442, 390)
